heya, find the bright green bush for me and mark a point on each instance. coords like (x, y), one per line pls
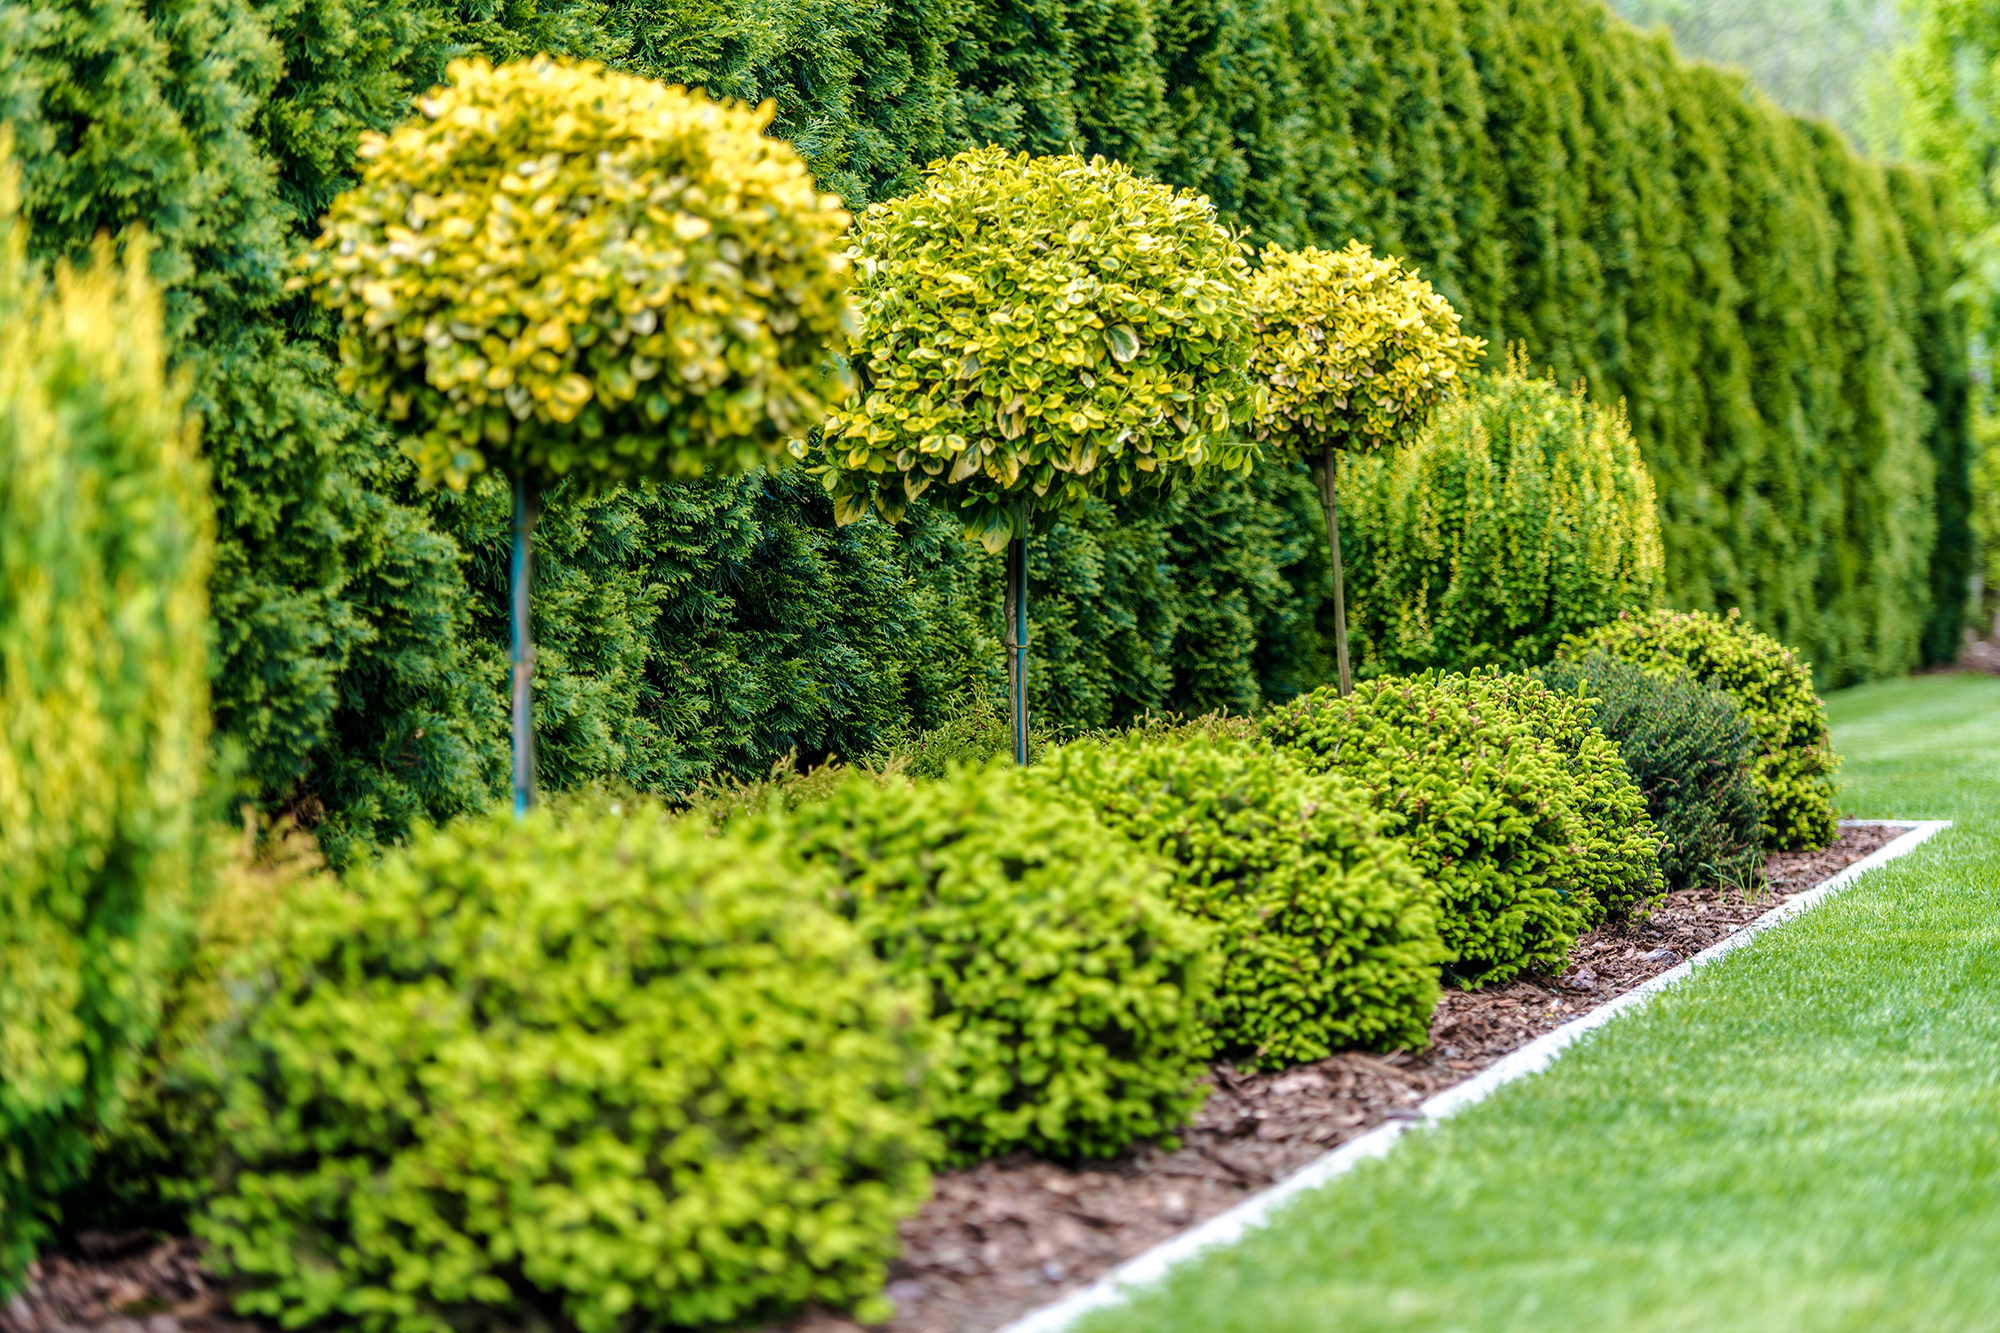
(623, 1069)
(1774, 690)
(1326, 932)
(1513, 806)
(1523, 515)
(1073, 997)
(104, 549)
(1690, 752)
(555, 269)
(1034, 329)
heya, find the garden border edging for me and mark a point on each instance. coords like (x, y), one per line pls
(1226, 1228)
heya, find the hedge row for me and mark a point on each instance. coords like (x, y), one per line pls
(1772, 310)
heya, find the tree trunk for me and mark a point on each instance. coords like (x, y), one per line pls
(1330, 498)
(1016, 610)
(526, 509)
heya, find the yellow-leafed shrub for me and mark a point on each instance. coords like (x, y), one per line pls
(1035, 329)
(554, 269)
(1524, 514)
(1352, 352)
(104, 549)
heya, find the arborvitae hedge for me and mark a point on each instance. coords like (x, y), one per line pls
(1771, 308)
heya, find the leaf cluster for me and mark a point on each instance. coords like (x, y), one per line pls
(1690, 751)
(621, 1068)
(1522, 515)
(1517, 811)
(1795, 763)
(1034, 329)
(1326, 933)
(1352, 352)
(1072, 998)
(557, 270)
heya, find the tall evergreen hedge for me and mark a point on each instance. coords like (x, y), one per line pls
(1771, 308)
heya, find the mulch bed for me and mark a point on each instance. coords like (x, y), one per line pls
(1002, 1238)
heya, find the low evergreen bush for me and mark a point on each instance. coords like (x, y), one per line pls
(620, 1072)
(1690, 751)
(1524, 514)
(1326, 933)
(105, 536)
(1513, 806)
(1073, 999)
(1773, 688)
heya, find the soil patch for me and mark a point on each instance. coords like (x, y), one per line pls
(1005, 1237)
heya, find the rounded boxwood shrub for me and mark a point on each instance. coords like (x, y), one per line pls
(1326, 932)
(1513, 806)
(617, 1071)
(1524, 514)
(1073, 999)
(1772, 687)
(1690, 751)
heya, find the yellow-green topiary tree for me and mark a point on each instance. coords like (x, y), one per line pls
(553, 271)
(1034, 329)
(1353, 354)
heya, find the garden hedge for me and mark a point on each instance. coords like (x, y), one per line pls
(105, 538)
(1517, 810)
(1523, 515)
(1691, 753)
(1773, 311)
(1073, 1001)
(617, 1070)
(1326, 933)
(1774, 689)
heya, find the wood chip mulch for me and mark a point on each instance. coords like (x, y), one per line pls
(1002, 1238)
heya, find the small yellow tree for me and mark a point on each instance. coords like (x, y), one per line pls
(555, 272)
(1033, 330)
(1353, 354)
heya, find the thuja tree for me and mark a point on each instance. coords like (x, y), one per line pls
(1034, 329)
(1353, 354)
(554, 272)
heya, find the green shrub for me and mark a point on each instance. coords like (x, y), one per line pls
(1326, 932)
(1524, 514)
(1514, 807)
(1773, 688)
(1074, 998)
(621, 1068)
(104, 553)
(1690, 751)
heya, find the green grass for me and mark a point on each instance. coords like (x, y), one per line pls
(1806, 1136)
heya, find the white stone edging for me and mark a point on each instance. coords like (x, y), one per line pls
(1227, 1227)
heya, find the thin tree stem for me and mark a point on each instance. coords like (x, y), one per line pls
(526, 505)
(1330, 498)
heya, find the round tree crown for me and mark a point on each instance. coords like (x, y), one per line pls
(1032, 329)
(1352, 351)
(557, 271)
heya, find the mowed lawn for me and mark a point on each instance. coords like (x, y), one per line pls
(1804, 1137)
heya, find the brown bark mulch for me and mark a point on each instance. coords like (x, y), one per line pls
(1002, 1238)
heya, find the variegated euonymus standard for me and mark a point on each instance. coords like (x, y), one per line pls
(1034, 329)
(1353, 353)
(555, 271)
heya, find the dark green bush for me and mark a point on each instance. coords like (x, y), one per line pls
(1774, 690)
(105, 536)
(1326, 933)
(1073, 997)
(624, 1069)
(1523, 514)
(1690, 751)
(1515, 808)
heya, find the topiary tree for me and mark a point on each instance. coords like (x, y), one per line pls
(105, 536)
(556, 272)
(1353, 353)
(1522, 515)
(1034, 329)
